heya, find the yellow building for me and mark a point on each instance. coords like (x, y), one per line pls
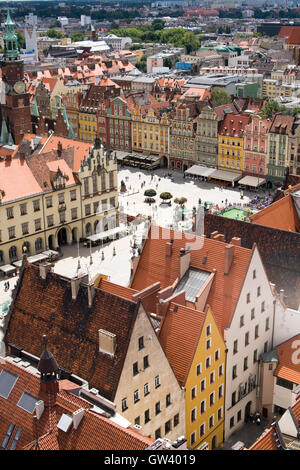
(272, 88)
(87, 125)
(196, 351)
(150, 131)
(231, 142)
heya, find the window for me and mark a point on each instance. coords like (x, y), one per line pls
(157, 408)
(219, 414)
(211, 421)
(232, 422)
(124, 404)
(157, 433)
(36, 205)
(11, 232)
(270, 366)
(252, 313)
(208, 330)
(95, 183)
(176, 420)
(202, 385)
(256, 332)
(233, 399)
(73, 195)
(284, 383)
(193, 415)
(157, 381)
(239, 416)
(242, 321)
(258, 291)
(202, 407)
(254, 274)
(147, 416)
(262, 307)
(212, 377)
(167, 427)
(25, 228)
(86, 186)
(168, 400)
(207, 362)
(267, 324)
(208, 344)
(62, 217)
(193, 392)
(245, 363)
(266, 346)
(61, 198)
(136, 396)
(146, 362)
(235, 346)
(193, 438)
(87, 208)
(37, 224)
(234, 374)
(217, 355)
(23, 209)
(198, 369)
(202, 430)
(221, 370)
(248, 298)
(135, 368)
(212, 399)
(10, 212)
(146, 389)
(49, 201)
(220, 391)
(255, 356)
(247, 338)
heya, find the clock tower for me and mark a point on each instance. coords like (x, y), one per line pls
(14, 103)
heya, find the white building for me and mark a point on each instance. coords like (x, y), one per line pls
(64, 21)
(85, 20)
(247, 337)
(31, 20)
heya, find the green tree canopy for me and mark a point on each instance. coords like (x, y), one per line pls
(53, 33)
(165, 196)
(271, 108)
(150, 193)
(168, 62)
(180, 201)
(158, 24)
(77, 37)
(220, 96)
(21, 40)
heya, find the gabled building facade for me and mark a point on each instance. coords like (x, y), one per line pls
(206, 138)
(231, 141)
(278, 160)
(256, 147)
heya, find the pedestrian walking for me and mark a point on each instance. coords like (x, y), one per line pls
(7, 285)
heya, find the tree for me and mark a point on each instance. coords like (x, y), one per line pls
(271, 108)
(77, 37)
(180, 201)
(21, 40)
(142, 64)
(165, 196)
(168, 62)
(158, 24)
(220, 96)
(295, 111)
(56, 24)
(150, 193)
(53, 33)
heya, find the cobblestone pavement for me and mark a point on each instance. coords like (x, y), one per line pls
(248, 434)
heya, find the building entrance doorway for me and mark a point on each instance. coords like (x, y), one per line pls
(62, 237)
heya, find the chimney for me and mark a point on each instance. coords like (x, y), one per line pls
(281, 295)
(220, 237)
(169, 246)
(75, 284)
(45, 268)
(91, 294)
(59, 148)
(228, 258)
(77, 417)
(39, 408)
(22, 158)
(185, 259)
(107, 342)
(213, 234)
(236, 241)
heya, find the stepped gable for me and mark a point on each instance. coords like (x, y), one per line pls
(45, 306)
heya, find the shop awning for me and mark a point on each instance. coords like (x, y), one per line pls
(107, 233)
(49, 253)
(252, 181)
(36, 258)
(225, 175)
(7, 268)
(199, 170)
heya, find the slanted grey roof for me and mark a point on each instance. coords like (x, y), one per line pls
(191, 283)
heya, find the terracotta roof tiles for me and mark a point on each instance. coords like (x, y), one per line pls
(282, 215)
(287, 368)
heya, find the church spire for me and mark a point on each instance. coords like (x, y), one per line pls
(11, 51)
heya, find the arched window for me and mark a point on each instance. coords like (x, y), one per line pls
(1, 256)
(88, 229)
(38, 244)
(13, 253)
(27, 246)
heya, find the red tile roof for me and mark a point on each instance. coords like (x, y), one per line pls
(282, 124)
(287, 367)
(233, 125)
(282, 215)
(94, 432)
(154, 266)
(80, 149)
(17, 180)
(72, 327)
(179, 337)
(267, 441)
(294, 37)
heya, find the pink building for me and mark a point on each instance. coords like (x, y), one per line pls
(256, 146)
